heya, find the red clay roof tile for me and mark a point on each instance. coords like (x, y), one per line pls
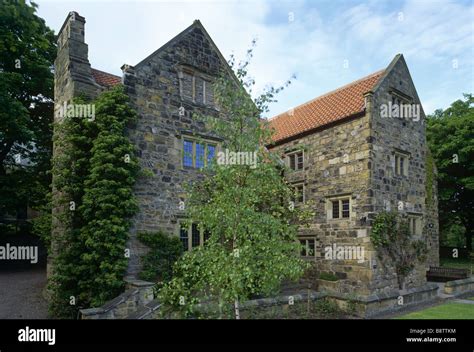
(330, 107)
(105, 79)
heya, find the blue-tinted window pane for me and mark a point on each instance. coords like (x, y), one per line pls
(211, 153)
(199, 155)
(188, 153)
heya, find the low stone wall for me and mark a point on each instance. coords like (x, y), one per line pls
(138, 294)
(372, 305)
(383, 303)
(282, 302)
(151, 310)
(138, 303)
(360, 306)
(148, 311)
(458, 287)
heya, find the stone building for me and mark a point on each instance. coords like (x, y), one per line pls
(354, 155)
(165, 89)
(346, 158)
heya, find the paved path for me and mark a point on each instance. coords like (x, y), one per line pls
(21, 294)
(465, 301)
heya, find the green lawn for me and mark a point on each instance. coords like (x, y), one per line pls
(444, 311)
(457, 263)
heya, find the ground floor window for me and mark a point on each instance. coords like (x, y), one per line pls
(298, 195)
(192, 236)
(308, 248)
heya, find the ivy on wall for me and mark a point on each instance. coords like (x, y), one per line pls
(429, 180)
(391, 238)
(93, 178)
(164, 251)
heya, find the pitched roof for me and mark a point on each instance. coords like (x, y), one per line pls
(105, 79)
(325, 109)
(175, 39)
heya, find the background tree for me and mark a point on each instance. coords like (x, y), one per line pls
(27, 52)
(246, 211)
(450, 136)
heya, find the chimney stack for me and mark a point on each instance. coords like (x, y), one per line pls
(73, 76)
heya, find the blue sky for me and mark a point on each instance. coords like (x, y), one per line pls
(325, 43)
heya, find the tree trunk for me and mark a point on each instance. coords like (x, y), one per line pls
(236, 308)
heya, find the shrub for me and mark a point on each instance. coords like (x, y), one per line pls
(164, 252)
(326, 308)
(328, 276)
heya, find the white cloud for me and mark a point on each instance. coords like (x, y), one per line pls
(314, 45)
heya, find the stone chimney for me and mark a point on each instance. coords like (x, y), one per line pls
(73, 76)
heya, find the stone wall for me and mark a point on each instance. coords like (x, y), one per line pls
(137, 295)
(432, 217)
(391, 135)
(335, 164)
(357, 158)
(158, 87)
(72, 78)
(458, 287)
(362, 306)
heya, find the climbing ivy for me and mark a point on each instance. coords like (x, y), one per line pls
(93, 179)
(391, 238)
(429, 180)
(158, 263)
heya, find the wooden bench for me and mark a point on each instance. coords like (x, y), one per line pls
(444, 274)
